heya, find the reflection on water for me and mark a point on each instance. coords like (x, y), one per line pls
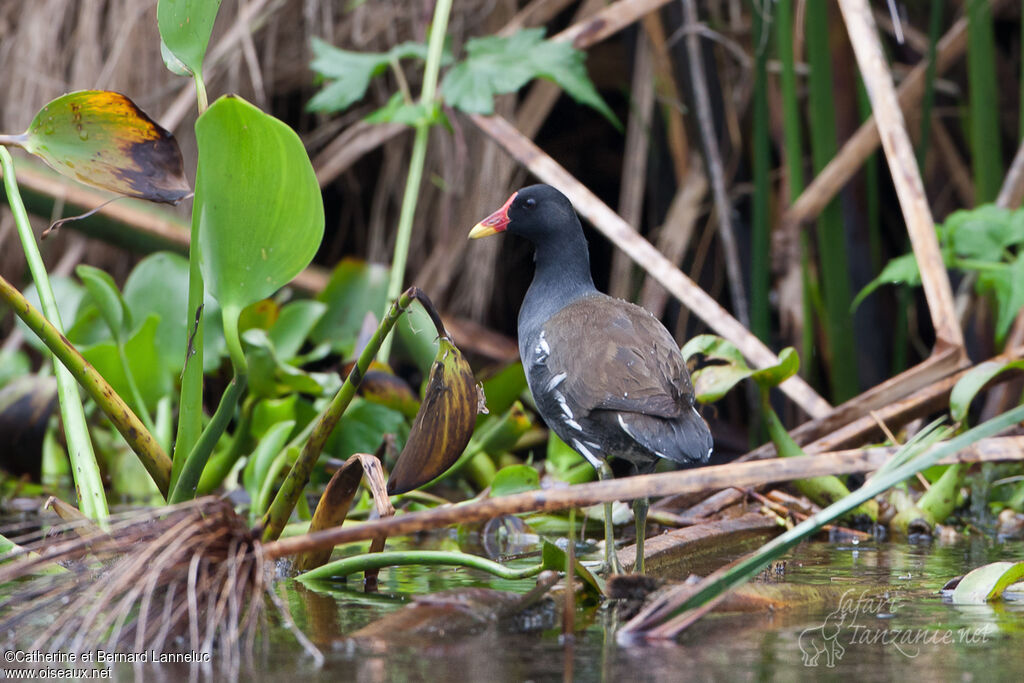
(891, 623)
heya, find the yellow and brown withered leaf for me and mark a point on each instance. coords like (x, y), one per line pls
(102, 139)
(443, 425)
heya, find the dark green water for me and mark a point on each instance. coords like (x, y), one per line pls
(901, 629)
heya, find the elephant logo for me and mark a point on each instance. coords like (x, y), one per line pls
(823, 640)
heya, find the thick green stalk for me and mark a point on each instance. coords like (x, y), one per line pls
(117, 411)
(190, 404)
(983, 98)
(219, 465)
(88, 483)
(185, 487)
(760, 311)
(188, 481)
(435, 52)
(835, 278)
(284, 502)
(370, 561)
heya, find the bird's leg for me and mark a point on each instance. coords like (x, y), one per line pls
(611, 559)
(640, 506)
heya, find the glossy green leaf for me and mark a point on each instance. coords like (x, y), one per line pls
(185, 27)
(348, 74)
(504, 387)
(270, 411)
(143, 360)
(355, 289)
(293, 325)
(773, 376)
(362, 429)
(418, 339)
(498, 64)
(987, 583)
(159, 285)
(514, 479)
(968, 386)
(263, 455)
(713, 347)
(269, 377)
(102, 139)
(106, 297)
(560, 456)
(259, 315)
(261, 216)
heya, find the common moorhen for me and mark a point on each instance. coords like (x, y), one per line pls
(607, 377)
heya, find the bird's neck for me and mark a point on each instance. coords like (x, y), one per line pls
(562, 276)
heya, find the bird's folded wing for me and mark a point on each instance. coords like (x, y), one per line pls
(617, 356)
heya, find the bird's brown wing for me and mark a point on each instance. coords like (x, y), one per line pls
(617, 356)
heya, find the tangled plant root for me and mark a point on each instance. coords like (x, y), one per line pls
(188, 577)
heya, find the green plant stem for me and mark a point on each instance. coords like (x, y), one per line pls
(822, 490)
(287, 496)
(739, 572)
(435, 51)
(835, 278)
(202, 101)
(153, 457)
(88, 482)
(361, 563)
(133, 389)
(188, 481)
(219, 465)
(190, 404)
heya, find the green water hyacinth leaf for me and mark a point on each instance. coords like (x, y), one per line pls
(185, 27)
(102, 139)
(159, 285)
(261, 216)
(514, 479)
(987, 583)
(144, 361)
(107, 299)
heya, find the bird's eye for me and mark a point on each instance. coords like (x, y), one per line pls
(530, 203)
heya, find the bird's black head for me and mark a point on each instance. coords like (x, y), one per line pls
(538, 212)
